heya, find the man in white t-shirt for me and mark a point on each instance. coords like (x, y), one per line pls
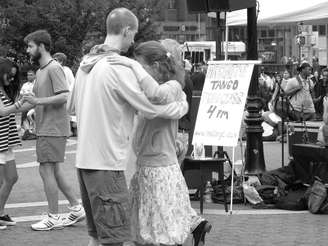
(62, 58)
(27, 119)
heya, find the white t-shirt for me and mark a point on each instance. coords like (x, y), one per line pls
(27, 88)
(69, 77)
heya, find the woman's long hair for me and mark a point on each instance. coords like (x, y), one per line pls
(12, 90)
(154, 51)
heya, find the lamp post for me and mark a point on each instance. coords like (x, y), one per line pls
(254, 146)
(254, 160)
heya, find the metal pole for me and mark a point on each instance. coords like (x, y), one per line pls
(226, 37)
(218, 37)
(199, 27)
(326, 44)
(254, 146)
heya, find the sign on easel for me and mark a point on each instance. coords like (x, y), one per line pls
(222, 103)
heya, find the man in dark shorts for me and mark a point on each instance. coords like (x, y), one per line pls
(105, 98)
(49, 97)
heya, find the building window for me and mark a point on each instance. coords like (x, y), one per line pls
(322, 30)
(314, 28)
(172, 4)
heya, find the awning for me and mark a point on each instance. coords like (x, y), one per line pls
(283, 12)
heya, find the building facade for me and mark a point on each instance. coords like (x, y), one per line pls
(277, 44)
(176, 23)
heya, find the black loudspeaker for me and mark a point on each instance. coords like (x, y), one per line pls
(199, 6)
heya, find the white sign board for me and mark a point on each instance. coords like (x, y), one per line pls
(222, 103)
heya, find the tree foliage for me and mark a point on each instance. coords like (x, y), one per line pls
(73, 24)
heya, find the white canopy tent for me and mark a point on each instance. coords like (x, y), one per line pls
(282, 11)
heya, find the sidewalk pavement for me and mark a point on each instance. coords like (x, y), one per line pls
(246, 226)
(228, 230)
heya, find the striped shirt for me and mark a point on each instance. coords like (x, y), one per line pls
(8, 129)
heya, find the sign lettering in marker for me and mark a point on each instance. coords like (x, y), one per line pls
(222, 103)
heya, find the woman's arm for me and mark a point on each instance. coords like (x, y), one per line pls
(19, 106)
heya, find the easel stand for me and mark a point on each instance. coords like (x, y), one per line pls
(221, 153)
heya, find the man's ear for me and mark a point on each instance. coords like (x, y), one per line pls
(125, 31)
(42, 47)
(155, 65)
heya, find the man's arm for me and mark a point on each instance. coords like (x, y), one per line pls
(182, 107)
(58, 99)
(292, 87)
(154, 92)
(128, 87)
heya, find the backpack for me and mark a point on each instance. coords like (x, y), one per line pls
(294, 200)
(317, 200)
(268, 193)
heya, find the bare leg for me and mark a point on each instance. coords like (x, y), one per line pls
(64, 186)
(8, 175)
(47, 172)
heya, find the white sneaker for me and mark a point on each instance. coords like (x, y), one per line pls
(77, 214)
(3, 227)
(48, 223)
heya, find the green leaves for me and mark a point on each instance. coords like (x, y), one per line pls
(73, 24)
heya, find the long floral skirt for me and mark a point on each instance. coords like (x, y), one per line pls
(161, 209)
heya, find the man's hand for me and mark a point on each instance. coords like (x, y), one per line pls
(30, 98)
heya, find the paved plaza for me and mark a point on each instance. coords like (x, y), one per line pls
(246, 226)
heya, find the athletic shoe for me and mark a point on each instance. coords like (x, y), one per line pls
(31, 136)
(77, 214)
(7, 221)
(3, 227)
(49, 223)
(200, 231)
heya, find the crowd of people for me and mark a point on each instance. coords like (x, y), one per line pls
(116, 102)
(298, 98)
(125, 107)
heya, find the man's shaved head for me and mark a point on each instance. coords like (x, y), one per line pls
(120, 18)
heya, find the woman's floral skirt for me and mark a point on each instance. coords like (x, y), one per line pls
(161, 209)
